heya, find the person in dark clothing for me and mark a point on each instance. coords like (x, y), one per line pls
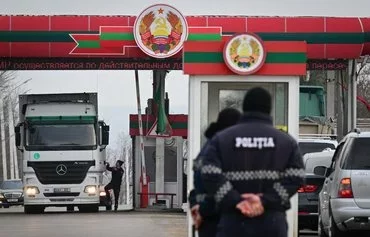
(205, 215)
(253, 169)
(115, 183)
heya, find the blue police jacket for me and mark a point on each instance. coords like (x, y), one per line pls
(198, 195)
(252, 157)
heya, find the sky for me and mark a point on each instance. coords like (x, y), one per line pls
(116, 89)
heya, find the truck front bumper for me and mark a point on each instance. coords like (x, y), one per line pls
(61, 201)
(60, 195)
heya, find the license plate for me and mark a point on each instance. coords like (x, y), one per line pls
(12, 200)
(62, 190)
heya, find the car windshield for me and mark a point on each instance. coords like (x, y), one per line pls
(10, 184)
(309, 147)
(67, 136)
(358, 156)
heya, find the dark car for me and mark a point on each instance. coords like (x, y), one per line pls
(308, 194)
(308, 197)
(11, 193)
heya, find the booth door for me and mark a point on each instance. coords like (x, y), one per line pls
(220, 95)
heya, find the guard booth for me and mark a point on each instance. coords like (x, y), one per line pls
(164, 164)
(221, 72)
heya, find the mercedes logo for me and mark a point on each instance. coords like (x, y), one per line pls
(61, 169)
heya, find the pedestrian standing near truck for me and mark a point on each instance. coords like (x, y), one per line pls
(115, 183)
(253, 169)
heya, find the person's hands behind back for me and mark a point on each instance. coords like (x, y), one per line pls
(251, 206)
(197, 218)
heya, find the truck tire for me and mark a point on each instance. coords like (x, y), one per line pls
(94, 208)
(108, 207)
(33, 209)
(89, 208)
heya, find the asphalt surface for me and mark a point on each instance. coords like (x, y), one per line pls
(13, 223)
(56, 222)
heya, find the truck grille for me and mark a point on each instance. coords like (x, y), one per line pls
(62, 200)
(12, 195)
(74, 194)
(61, 172)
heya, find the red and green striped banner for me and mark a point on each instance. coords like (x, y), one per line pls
(178, 122)
(283, 58)
(112, 40)
(205, 34)
(50, 36)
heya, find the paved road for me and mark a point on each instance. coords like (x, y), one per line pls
(58, 223)
(62, 224)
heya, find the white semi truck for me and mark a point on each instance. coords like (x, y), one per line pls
(63, 147)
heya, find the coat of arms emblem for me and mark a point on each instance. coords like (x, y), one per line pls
(160, 31)
(244, 54)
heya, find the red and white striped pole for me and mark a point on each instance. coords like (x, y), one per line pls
(142, 153)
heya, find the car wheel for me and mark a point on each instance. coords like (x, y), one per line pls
(333, 229)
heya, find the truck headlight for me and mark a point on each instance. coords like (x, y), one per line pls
(102, 194)
(31, 191)
(1, 195)
(90, 189)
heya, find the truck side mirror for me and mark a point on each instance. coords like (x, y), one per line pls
(105, 135)
(18, 137)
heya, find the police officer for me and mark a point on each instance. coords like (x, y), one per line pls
(253, 169)
(115, 183)
(203, 209)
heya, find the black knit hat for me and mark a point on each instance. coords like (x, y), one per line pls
(226, 118)
(120, 162)
(257, 100)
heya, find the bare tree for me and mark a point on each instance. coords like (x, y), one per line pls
(317, 78)
(6, 83)
(9, 92)
(363, 91)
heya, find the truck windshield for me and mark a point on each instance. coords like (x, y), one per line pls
(61, 137)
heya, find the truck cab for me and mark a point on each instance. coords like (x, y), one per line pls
(63, 147)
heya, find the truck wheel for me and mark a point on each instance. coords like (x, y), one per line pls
(82, 209)
(94, 208)
(88, 208)
(33, 209)
(108, 207)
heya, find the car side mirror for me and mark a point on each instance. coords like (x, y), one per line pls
(320, 170)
